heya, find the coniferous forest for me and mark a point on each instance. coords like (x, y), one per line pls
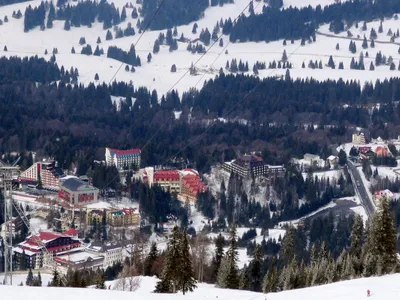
(62, 119)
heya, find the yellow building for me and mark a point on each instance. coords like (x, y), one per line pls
(124, 217)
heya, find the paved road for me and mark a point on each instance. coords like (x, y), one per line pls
(360, 189)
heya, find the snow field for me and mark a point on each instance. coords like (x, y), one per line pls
(157, 75)
(382, 288)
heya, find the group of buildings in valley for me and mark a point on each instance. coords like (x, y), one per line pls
(66, 251)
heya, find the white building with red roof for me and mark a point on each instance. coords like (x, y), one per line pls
(123, 158)
(34, 248)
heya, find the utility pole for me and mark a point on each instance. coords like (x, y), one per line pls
(6, 176)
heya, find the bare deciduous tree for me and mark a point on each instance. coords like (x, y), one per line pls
(200, 254)
(128, 280)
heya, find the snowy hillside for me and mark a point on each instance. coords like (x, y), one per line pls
(157, 75)
(382, 288)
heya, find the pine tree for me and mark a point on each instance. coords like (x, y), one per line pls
(150, 259)
(288, 246)
(357, 234)
(123, 14)
(109, 35)
(67, 25)
(149, 57)
(219, 254)
(255, 270)
(156, 47)
(371, 66)
(337, 46)
(187, 283)
(228, 271)
(22, 265)
(173, 68)
(170, 277)
(96, 77)
(73, 50)
(29, 278)
(284, 55)
(39, 279)
(56, 281)
(331, 63)
(100, 280)
(271, 279)
(364, 43)
(244, 280)
(384, 241)
(98, 40)
(380, 28)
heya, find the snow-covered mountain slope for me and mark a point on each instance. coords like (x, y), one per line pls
(382, 288)
(157, 75)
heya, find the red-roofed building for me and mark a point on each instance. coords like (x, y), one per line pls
(191, 186)
(382, 152)
(72, 233)
(169, 180)
(34, 249)
(364, 149)
(123, 158)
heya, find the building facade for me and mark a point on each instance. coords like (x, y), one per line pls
(123, 158)
(112, 252)
(34, 248)
(358, 138)
(47, 172)
(252, 166)
(191, 186)
(77, 192)
(169, 180)
(124, 217)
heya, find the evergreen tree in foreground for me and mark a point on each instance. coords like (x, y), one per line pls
(178, 272)
(228, 276)
(29, 278)
(219, 254)
(150, 259)
(100, 280)
(187, 283)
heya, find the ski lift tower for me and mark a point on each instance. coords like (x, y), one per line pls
(7, 172)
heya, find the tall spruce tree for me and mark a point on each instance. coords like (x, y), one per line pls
(100, 280)
(187, 283)
(271, 279)
(357, 235)
(219, 253)
(245, 280)
(29, 278)
(288, 245)
(384, 246)
(170, 276)
(256, 270)
(150, 259)
(228, 276)
(22, 264)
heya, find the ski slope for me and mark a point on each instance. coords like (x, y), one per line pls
(157, 75)
(382, 288)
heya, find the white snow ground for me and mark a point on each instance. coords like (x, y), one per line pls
(157, 75)
(20, 276)
(382, 288)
